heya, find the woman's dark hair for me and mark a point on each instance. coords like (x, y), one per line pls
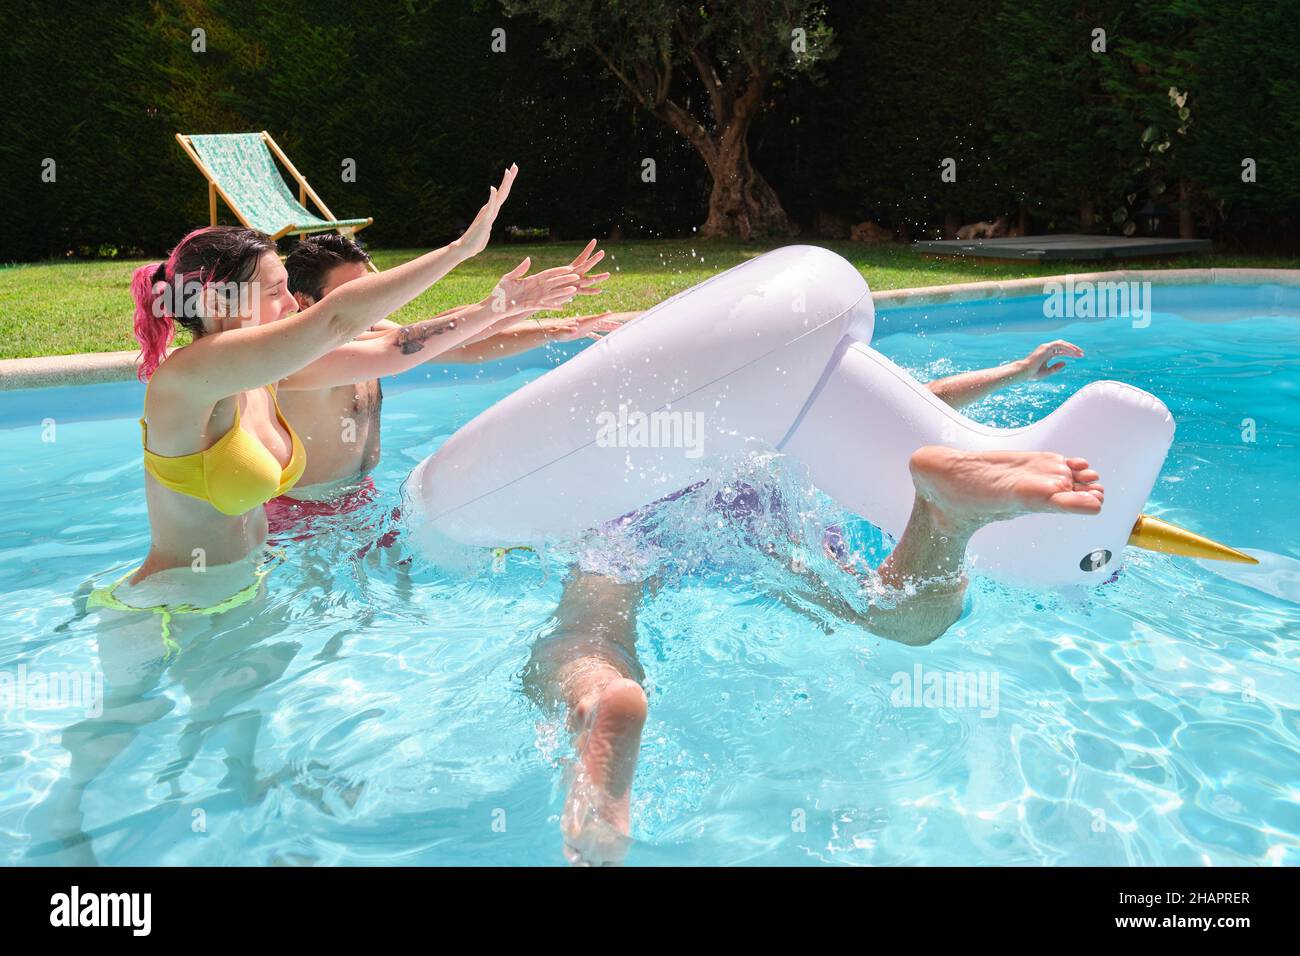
(208, 255)
(312, 259)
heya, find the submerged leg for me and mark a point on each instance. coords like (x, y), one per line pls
(131, 661)
(587, 668)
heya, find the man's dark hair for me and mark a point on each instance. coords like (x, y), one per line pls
(314, 256)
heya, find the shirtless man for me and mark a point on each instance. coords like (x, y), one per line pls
(339, 425)
(316, 267)
(587, 668)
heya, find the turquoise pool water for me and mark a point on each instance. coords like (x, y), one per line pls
(1155, 720)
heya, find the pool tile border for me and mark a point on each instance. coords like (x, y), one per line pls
(1012, 288)
(91, 367)
(84, 368)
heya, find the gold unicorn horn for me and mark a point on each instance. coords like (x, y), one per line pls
(1156, 535)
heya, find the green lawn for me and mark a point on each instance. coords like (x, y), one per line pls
(84, 306)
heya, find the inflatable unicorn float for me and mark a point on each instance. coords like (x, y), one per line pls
(776, 353)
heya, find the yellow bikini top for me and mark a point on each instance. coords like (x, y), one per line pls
(235, 475)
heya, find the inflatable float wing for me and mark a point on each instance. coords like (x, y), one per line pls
(862, 427)
(738, 354)
(773, 353)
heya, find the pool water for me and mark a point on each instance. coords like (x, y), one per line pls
(1154, 720)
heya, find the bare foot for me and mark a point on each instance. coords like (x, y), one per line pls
(597, 811)
(968, 489)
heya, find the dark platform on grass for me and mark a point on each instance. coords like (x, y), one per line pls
(1048, 248)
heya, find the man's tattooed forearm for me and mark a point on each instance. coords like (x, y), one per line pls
(411, 338)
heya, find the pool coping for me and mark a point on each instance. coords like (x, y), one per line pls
(86, 368)
(1034, 285)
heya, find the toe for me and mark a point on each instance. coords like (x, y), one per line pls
(1077, 502)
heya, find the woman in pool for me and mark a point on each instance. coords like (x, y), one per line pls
(216, 449)
(216, 445)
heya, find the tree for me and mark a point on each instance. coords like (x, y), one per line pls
(663, 52)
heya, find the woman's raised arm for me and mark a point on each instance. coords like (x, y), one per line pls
(239, 359)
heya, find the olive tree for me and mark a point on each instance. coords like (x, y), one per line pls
(733, 52)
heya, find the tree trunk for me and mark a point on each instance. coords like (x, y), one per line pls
(1087, 213)
(951, 223)
(742, 203)
(1186, 223)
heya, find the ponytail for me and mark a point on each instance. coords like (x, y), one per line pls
(207, 255)
(154, 328)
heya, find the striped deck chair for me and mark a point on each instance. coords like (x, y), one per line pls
(239, 168)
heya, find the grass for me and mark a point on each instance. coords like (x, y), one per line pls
(59, 308)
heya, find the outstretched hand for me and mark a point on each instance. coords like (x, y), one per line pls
(583, 326)
(583, 264)
(1039, 363)
(517, 292)
(475, 238)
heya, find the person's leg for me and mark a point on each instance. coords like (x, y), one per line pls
(587, 669)
(957, 493)
(221, 675)
(131, 661)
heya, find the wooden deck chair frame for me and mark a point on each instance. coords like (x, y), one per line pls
(305, 191)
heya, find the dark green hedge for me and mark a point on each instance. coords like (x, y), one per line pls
(1012, 90)
(413, 93)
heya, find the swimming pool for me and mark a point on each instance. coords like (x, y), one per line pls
(1155, 720)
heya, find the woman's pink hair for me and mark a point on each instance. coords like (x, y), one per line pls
(154, 329)
(210, 254)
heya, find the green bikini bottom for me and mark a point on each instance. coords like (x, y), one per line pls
(104, 597)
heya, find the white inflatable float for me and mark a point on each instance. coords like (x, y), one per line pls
(774, 354)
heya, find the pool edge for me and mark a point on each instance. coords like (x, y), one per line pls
(1010, 288)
